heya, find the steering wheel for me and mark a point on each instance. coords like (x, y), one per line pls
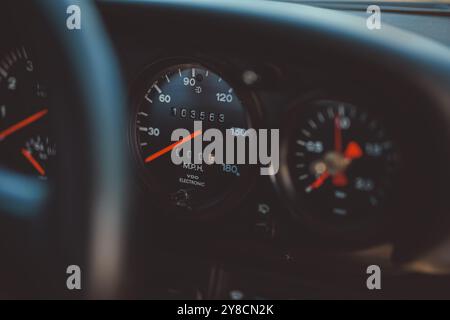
(79, 220)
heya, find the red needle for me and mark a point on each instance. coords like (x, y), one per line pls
(353, 151)
(340, 180)
(27, 154)
(337, 134)
(318, 182)
(172, 146)
(22, 124)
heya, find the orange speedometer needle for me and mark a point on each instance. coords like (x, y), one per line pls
(22, 124)
(27, 154)
(172, 146)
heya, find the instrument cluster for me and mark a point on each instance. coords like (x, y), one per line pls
(337, 162)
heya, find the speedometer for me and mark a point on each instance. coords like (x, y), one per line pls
(173, 97)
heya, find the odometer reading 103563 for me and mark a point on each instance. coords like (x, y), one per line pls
(342, 162)
(175, 97)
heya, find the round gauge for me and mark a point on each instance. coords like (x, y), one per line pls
(176, 98)
(342, 164)
(23, 115)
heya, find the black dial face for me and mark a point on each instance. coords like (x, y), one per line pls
(342, 163)
(179, 96)
(24, 137)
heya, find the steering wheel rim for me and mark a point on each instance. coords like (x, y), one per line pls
(83, 223)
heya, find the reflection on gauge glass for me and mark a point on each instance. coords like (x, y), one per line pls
(24, 133)
(179, 95)
(342, 162)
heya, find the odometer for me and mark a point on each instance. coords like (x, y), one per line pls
(174, 98)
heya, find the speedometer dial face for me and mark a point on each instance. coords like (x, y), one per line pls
(25, 142)
(175, 98)
(342, 163)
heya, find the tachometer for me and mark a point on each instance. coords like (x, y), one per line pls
(24, 134)
(174, 97)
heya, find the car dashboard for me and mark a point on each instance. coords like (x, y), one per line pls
(357, 181)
